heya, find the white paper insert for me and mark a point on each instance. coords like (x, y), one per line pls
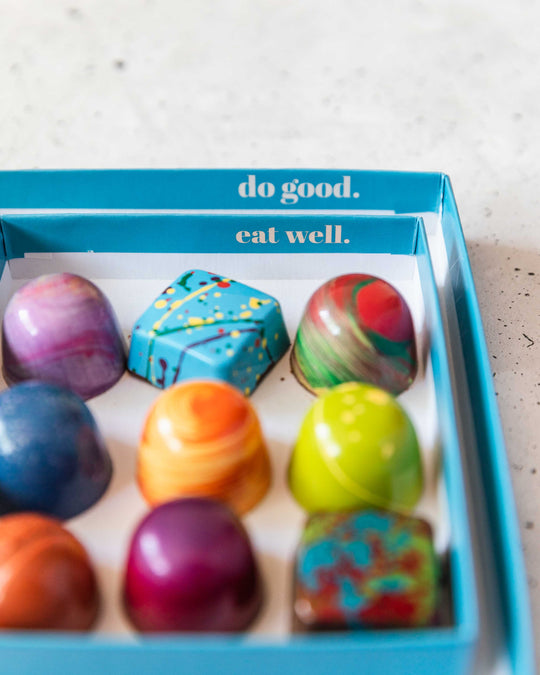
(276, 523)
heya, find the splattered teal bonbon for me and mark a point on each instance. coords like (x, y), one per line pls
(204, 325)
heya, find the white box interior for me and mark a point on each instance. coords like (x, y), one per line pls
(131, 282)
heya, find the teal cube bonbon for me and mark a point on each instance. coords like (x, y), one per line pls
(204, 325)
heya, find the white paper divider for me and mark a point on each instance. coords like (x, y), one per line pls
(248, 266)
(276, 523)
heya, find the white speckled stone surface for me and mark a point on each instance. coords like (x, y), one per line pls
(450, 86)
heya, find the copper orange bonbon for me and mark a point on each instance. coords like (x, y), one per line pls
(203, 438)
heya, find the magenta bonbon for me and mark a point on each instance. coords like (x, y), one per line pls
(191, 568)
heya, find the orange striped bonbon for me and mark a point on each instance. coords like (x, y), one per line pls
(203, 438)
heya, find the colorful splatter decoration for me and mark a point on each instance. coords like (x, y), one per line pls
(356, 328)
(366, 569)
(207, 326)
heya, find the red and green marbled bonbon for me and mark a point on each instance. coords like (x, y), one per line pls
(355, 328)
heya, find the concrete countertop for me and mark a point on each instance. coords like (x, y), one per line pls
(449, 86)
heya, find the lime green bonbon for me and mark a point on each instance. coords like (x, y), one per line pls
(356, 447)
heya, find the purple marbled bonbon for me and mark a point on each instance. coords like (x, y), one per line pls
(191, 568)
(60, 328)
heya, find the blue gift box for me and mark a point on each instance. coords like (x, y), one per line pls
(310, 212)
